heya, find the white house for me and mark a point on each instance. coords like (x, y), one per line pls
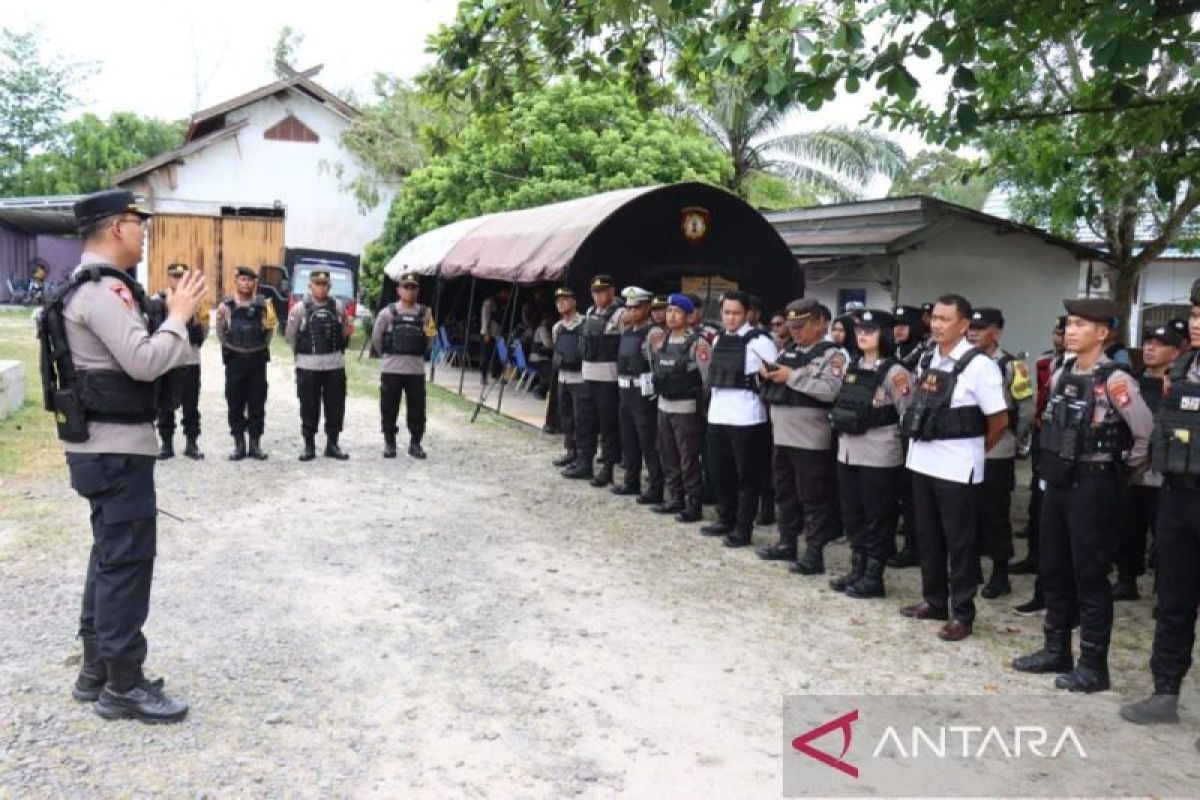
(256, 174)
(1162, 288)
(910, 250)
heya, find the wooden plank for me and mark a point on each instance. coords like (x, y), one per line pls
(249, 242)
(189, 239)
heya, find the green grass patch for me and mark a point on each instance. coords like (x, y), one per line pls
(29, 446)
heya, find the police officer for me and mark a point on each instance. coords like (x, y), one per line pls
(568, 363)
(1161, 347)
(402, 333)
(799, 389)
(638, 413)
(492, 314)
(318, 331)
(958, 413)
(1000, 466)
(1175, 452)
(100, 373)
(181, 386)
(1094, 416)
(245, 324)
(911, 344)
(658, 311)
(737, 420)
(679, 357)
(597, 413)
(870, 458)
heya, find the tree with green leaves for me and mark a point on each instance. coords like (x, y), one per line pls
(946, 176)
(35, 95)
(283, 54)
(90, 151)
(830, 164)
(565, 141)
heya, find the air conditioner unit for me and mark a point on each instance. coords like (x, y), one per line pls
(1094, 280)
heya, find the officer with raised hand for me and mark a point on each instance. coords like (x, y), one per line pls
(1175, 453)
(100, 369)
(246, 323)
(1000, 466)
(181, 386)
(318, 330)
(1094, 423)
(402, 333)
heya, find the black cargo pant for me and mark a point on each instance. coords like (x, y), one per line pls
(908, 515)
(1177, 574)
(1033, 528)
(870, 507)
(1141, 510)
(317, 387)
(246, 391)
(180, 389)
(596, 415)
(638, 420)
(391, 387)
(566, 392)
(946, 516)
(1079, 537)
(116, 592)
(806, 493)
(735, 459)
(679, 445)
(995, 505)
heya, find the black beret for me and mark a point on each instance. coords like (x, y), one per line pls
(1093, 309)
(95, 207)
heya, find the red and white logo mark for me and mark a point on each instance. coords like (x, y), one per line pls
(803, 744)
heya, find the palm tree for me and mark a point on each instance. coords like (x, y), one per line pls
(833, 164)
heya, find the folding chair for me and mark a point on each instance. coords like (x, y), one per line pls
(529, 377)
(452, 354)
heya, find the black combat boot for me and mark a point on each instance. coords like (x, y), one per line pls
(780, 551)
(717, 528)
(604, 476)
(906, 556)
(651, 497)
(192, 449)
(625, 488)
(1055, 655)
(167, 450)
(691, 510)
(389, 445)
(415, 450)
(580, 470)
(1162, 706)
(871, 582)
(858, 564)
(310, 448)
(331, 448)
(565, 460)
(1090, 674)
(811, 563)
(92, 672)
(256, 451)
(997, 585)
(669, 506)
(1026, 566)
(766, 516)
(739, 538)
(128, 695)
(1125, 588)
(239, 448)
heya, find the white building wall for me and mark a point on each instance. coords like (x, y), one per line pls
(1168, 281)
(824, 283)
(247, 169)
(1019, 273)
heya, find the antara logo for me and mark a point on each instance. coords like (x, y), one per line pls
(802, 743)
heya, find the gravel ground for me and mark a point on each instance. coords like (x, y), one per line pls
(471, 626)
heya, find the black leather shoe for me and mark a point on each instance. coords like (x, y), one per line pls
(906, 557)
(239, 448)
(716, 529)
(145, 701)
(649, 498)
(765, 517)
(1126, 588)
(777, 552)
(997, 586)
(736, 540)
(624, 489)
(1036, 605)
(192, 449)
(415, 450)
(580, 470)
(255, 450)
(565, 460)
(167, 450)
(1026, 566)
(811, 563)
(603, 477)
(673, 507)
(691, 512)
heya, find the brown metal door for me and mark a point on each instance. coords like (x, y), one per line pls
(191, 240)
(249, 242)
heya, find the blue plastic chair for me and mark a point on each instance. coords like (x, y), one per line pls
(529, 377)
(452, 354)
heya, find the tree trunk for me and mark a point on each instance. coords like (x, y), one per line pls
(1124, 284)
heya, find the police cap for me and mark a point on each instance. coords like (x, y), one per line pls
(176, 269)
(247, 272)
(602, 281)
(564, 291)
(986, 318)
(907, 315)
(1165, 334)
(875, 318)
(319, 276)
(95, 207)
(800, 311)
(409, 279)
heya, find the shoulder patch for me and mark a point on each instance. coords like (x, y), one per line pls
(122, 291)
(1120, 393)
(901, 383)
(702, 351)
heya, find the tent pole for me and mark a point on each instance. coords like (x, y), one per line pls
(512, 319)
(467, 338)
(437, 297)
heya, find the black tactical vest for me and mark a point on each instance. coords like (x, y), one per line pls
(631, 360)
(246, 324)
(568, 352)
(676, 373)
(1069, 431)
(854, 410)
(1152, 390)
(1175, 443)
(75, 396)
(322, 333)
(599, 346)
(728, 367)
(930, 416)
(406, 336)
(782, 395)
